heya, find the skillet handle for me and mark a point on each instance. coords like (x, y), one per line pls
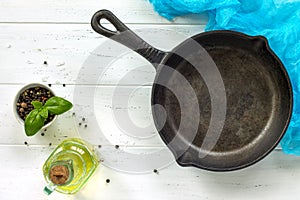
(125, 36)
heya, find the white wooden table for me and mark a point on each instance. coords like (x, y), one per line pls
(59, 32)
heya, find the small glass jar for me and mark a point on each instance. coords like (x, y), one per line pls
(69, 166)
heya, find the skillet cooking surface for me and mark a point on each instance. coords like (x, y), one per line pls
(258, 103)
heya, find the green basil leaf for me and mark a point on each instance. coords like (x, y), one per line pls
(33, 122)
(44, 113)
(58, 105)
(37, 104)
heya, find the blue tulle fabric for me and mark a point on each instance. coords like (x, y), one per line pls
(277, 20)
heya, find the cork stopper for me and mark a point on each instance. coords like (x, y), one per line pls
(59, 174)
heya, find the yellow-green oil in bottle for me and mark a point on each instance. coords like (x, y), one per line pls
(81, 160)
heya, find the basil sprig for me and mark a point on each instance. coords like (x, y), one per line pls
(36, 119)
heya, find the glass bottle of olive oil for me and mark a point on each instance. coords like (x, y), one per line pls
(69, 166)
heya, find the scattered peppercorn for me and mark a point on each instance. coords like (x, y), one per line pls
(85, 125)
(116, 146)
(45, 63)
(49, 85)
(50, 144)
(83, 119)
(99, 146)
(64, 85)
(42, 134)
(25, 143)
(155, 171)
(107, 181)
(79, 124)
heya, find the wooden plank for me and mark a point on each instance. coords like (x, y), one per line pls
(103, 127)
(67, 48)
(105, 117)
(275, 177)
(77, 11)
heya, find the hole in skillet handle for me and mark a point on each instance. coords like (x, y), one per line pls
(106, 24)
(109, 16)
(125, 36)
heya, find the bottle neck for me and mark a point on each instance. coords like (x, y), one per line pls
(61, 173)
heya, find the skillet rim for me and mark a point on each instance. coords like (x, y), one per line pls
(190, 163)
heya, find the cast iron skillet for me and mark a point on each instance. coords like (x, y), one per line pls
(241, 99)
